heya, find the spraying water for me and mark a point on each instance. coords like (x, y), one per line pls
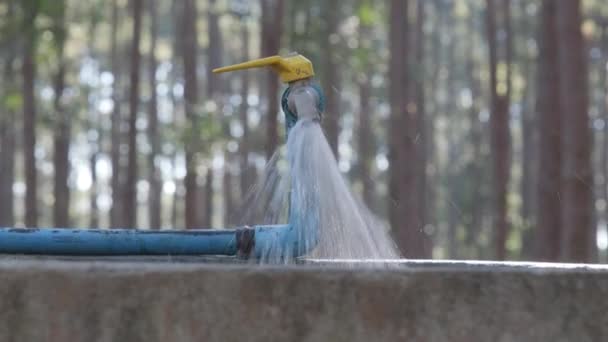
(303, 184)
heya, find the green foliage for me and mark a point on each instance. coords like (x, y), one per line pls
(368, 13)
(13, 100)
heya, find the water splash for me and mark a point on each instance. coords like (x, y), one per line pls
(302, 183)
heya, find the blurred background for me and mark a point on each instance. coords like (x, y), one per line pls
(475, 129)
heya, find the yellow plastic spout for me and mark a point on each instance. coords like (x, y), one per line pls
(291, 68)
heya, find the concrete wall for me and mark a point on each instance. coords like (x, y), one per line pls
(50, 300)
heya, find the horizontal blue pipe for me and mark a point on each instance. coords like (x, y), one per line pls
(61, 241)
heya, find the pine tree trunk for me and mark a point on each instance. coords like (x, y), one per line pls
(476, 164)
(7, 144)
(604, 114)
(429, 128)
(529, 146)
(419, 91)
(208, 199)
(245, 179)
(61, 162)
(94, 145)
(454, 146)
(116, 212)
(402, 134)
(577, 178)
(154, 177)
(330, 78)
(500, 136)
(214, 52)
(549, 231)
(130, 203)
(94, 209)
(28, 71)
(189, 54)
(365, 141)
(272, 29)
(214, 87)
(228, 197)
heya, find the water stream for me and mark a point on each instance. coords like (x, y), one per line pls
(305, 173)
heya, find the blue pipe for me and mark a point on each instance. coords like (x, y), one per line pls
(61, 241)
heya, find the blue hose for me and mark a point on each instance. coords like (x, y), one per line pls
(58, 241)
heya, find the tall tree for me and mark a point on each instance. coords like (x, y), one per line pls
(28, 72)
(365, 141)
(476, 135)
(331, 73)
(208, 199)
(214, 50)
(245, 179)
(529, 140)
(214, 87)
(402, 134)
(189, 48)
(7, 126)
(130, 204)
(272, 30)
(93, 126)
(604, 112)
(117, 211)
(420, 109)
(228, 192)
(577, 178)
(154, 178)
(548, 234)
(62, 131)
(500, 94)
(454, 149)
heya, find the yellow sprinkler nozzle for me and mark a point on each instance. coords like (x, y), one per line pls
(291, 68)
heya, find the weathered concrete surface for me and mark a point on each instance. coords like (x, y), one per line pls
(146, 300)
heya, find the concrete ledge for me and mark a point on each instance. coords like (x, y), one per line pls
(45, 299)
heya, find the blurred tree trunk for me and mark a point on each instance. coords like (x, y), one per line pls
(402, 134)
(94, 211)
(214, 51)
(208, 199)
(420, 76)
(228, 194)
(214, 87)
(117, 211)
(61, 142)
(7, 136)
(330, 77)
(454, 148)
(272, 30)
(28, 73)
(94, 141)
(577, 178)
(130, 204)
(189, 52)
(365, 141)
(245, 179)
(604, 114)
(548, 234)
(176, 12)
(499, 122)
(433, 110)
(154, 177)
(529, 144)
(476, 163)
(62, 131)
